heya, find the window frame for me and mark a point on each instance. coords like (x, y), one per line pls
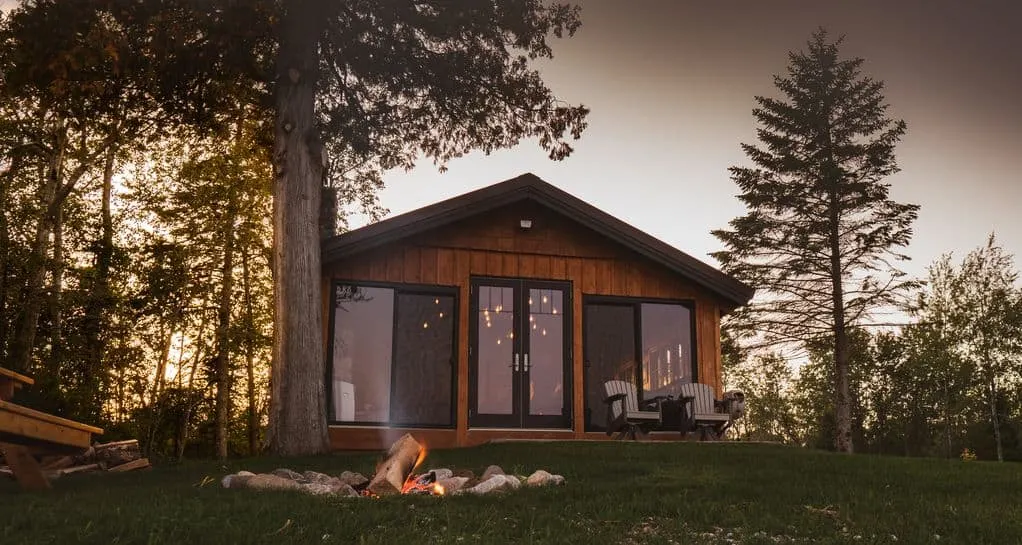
(636, 303)
(399, 288)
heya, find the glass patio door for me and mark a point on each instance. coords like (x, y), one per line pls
(519, 354)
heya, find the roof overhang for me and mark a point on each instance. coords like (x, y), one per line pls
(531, 187)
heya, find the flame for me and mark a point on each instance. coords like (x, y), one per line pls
(438, 490)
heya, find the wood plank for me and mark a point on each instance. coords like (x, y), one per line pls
(134, 464)
(590, 276)
(578, 390)
(7, 407)
(541, 264)
(25, 468)
(428, 265)
(494, 264)
(395, 265)
(412, 265)
(16, 377)
(604, 277)
(527, 266)
(477, 263)
(559, 268)
(462, 383)
(446, 265)
(377, 267)
(464, 266)
(509, 264)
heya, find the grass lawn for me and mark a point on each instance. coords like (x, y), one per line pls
(615, 493)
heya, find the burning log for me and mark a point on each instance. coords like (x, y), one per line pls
(393, 473)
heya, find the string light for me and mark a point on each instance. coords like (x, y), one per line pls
(425, 325)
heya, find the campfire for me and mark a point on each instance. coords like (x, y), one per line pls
(394, 475)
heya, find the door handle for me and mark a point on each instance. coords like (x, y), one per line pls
(525, 366)
(514, 366)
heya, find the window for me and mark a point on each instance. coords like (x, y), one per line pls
(648, 343)
(393, 355)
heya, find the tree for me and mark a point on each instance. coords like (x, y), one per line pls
(821, 234)
(435, 79)
(979, 306)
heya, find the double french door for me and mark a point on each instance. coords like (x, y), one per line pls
(520, 354)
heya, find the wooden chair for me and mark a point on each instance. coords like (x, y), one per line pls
(24, 432)
(705, 414)
(625, 415)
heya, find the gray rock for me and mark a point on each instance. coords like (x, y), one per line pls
(439, 474)
(288, 474)
(316, 477)
(244, 473)
(264, 481)
(496, 483)
(543, 478)
(344, 490)
(490, 472)
(452, 484)
(317, 489)
(353, 479)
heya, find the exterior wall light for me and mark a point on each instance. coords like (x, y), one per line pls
(525, 224)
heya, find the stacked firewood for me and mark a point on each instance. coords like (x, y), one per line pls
(115, 457)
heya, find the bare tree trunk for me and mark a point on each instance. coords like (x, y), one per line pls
(181, 440)
(35, 270)
(56, 294)
(995, 421)
(97, 307)
(223, 358)
(161, 365)
(253, 409)
(842, 396)
(298, 390)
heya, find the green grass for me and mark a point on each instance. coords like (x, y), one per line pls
(615, 493)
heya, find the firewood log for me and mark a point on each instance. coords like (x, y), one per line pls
(401, 460)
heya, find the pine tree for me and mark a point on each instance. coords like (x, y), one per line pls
(821, 235)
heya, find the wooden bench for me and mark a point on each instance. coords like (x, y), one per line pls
(24, 432)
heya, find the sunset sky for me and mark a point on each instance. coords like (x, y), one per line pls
(671, 87)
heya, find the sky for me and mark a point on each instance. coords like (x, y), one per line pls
(671, 87)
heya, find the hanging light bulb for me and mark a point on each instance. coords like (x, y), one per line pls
(436, 301)
(441, 314)
(498, 341)
(425, 325)
(544, 332)
(545, 299)
(554, 311)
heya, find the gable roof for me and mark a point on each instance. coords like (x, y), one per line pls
(530, 187)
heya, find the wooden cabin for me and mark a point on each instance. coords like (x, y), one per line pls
(500, 313)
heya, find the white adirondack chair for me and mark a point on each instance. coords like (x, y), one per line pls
(706, 414)
(624, 414)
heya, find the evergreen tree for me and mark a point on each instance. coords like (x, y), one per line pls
(821, 234)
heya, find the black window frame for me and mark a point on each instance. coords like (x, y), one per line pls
(636, 303)
(399, 288)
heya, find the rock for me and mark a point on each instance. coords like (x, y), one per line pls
(344, 490)
(265, 481)
(316, 477)
(439, 474)
(467, 473)
(226, 481)
(244, 473)
(543, 478)
(317, 489)
(452, 484)
(490, 472)
(353, 479)
(496, 483)
(288, 474)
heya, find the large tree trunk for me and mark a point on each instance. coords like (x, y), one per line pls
(223, 355)
(253, 408)
(298, 390)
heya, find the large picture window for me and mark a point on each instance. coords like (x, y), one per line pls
(646, 342)
(393, 355)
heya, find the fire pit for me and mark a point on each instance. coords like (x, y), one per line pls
(394, 475)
